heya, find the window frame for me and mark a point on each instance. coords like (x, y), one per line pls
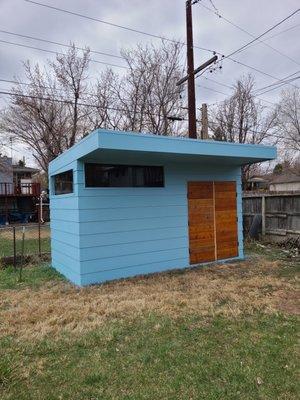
(128, 166)
(54, 189)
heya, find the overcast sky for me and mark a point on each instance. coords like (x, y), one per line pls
(159, 17)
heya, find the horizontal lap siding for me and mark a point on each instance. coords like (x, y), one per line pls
(64, 223)
(133, 270)
(133, 231)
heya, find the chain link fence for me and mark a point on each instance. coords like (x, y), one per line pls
(23, 242)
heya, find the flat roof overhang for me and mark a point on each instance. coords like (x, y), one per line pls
(124, 146)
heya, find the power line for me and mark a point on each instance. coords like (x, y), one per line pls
(219, 83)
(57, 52)
(65, 101)
(213, 90)
(250, 67)
(256, 69)
(283, 31)
(284, 81)
(279, 83)
(93, 94)
(277, 87)
(147, 34)
(113, 24)
(59, 44)
(262, 34)
(216, 12)
(232, 87)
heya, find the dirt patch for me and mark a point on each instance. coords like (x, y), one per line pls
(229, 289)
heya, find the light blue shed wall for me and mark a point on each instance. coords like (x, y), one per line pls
(109, 233)
(130, 231)
(64, 224)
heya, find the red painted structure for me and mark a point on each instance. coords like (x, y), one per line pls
(22, 189)
(18, 201)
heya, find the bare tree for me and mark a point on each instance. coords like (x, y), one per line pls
(46, 114)
(242, 119)
(147, 95)
(107, 112)
(288, 120)
(57, 107)
(71, 72)
(1, 149)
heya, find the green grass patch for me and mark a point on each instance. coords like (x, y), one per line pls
(32, 276)
(152, 356)
(158, 358)
(31, 246)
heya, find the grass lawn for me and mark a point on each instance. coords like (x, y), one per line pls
(31, 245)
(217, 332)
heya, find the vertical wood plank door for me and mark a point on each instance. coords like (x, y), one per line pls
(226, 219)
(201, 222)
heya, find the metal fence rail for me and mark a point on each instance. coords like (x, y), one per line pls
(24, 241)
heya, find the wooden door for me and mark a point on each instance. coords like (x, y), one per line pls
(213, 233)
(201, 222)
(226, 220)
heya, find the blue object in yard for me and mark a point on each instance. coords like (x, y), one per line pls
(2, 219)
(21, 217)
(125, 204)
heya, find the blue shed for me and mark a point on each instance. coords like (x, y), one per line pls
(124, 204)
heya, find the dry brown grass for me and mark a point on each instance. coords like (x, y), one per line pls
(31, 232)
(229, 289)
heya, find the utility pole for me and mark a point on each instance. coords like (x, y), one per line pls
(204, 130)
(190, 71)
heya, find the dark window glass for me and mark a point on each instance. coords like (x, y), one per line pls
(63, 183)
(105, 175)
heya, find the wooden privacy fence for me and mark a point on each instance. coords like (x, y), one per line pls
(273, 215)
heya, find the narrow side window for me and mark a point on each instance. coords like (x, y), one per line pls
(63, 182)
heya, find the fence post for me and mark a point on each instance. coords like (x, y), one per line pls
(22, 253)
(15, 251)
(263, 215)
(39, 230)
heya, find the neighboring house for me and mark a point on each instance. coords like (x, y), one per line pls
(6, 175)
(18, 192)
(285, 182)
(21, 172)
(23, 177)
(257, 183)
(125, 204)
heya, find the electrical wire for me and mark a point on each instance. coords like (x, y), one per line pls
(284, 81)
(278, 87)
(213, 90)
(216, 12)
(65, 101)
(93, 94)
(57, 52)
(113, 24)
(262, 34)
(59, 44)
(283, 31)
(232, 87)
(279, 83)
(147, 34)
